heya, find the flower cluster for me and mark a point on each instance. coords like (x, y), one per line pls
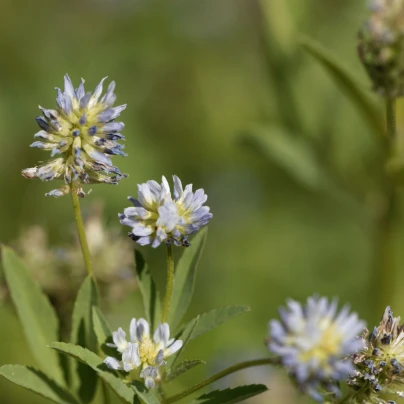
(158, 217)
(141, 352)
(381, 46)
(379, 367)
(59, 269)
(314, 343)
(83, 133)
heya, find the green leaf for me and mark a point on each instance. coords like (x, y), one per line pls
(182, 368)
(36, 314)
(36, 381)
(185, 337)
(148, 290)
(147, 396)
(230, 396)
(344, 79)
(84, 379)
(184, 279)
(103, 332)
(293, 154)
(215, 317)
(92, 360)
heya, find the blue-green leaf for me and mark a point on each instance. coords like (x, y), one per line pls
(184, 279)
(83, 378)
(38, 382)
(36, 314)
(231, 396)
(148, 290)
(182, 368)
(124, 392)
(344, 79)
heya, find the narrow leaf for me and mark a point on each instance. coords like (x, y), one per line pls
(292, 154)
(103, 332)
(92, 360)
(215, 317)
(148, 290)
(83, 334)
(147, 396)
(182, 368)
(185, 337)
(184, 279)
(230, 396)
(36, 381)
(344, 79)
(36, 314)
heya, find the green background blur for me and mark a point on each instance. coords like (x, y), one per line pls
(198, 77)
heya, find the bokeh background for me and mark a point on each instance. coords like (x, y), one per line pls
(221, 94)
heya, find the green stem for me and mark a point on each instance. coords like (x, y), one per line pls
(220, 375)
(81, 231)
(170, 281)
(105, 393)
(384, 274)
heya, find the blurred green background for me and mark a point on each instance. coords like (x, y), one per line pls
(220, 93)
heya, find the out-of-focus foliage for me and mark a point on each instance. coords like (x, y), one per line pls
(197, 76)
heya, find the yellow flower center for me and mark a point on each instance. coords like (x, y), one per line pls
(147, 351)
(328, 345)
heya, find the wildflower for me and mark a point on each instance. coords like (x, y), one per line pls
(379, 366)
(314, 342)
(82, 132)
(381, 46)
(158, 217)
(143, 352)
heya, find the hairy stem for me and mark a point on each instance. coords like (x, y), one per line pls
(170, 281)
(220, 375)
(81, 231)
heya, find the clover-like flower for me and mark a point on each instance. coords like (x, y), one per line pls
(82, 133)
(314, 344)
(379, 367)
(381, 46)
(142, 351)
(158, 217)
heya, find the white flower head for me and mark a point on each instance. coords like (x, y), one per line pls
(142, 351)
(314, 343)
(83, 133)
(157, 216)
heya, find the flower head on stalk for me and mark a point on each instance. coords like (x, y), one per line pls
(142, 351)
(381, 46)
(82, 134)
(157, 216)
(314, 343)
(379, 367)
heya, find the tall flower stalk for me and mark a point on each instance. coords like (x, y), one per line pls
(169, 284)
(82, 234)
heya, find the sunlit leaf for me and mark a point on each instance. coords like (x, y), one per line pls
(84, 379)
(347, 83)
(103, 332)
(36, 381)
(184, 279)
(35, 312)
(230, 396)
(124, 392)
